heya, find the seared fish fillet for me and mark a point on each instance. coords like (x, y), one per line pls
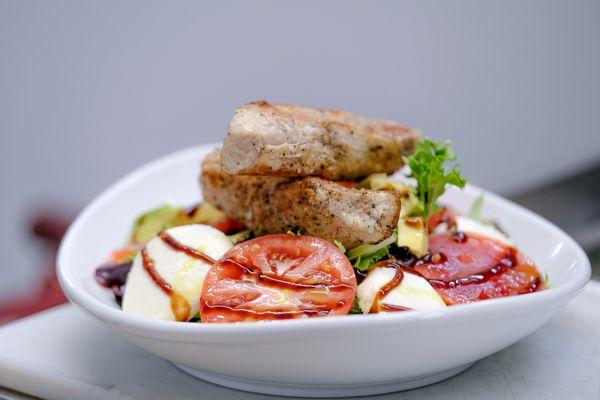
(269, 204)
(291, 140)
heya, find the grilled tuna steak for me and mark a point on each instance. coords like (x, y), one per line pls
(291, 140)
(318, 207)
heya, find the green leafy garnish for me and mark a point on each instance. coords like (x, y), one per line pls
(365, 255)
(363, 263)
(355, 307)
(411, 206)
(366, 249)
(476, 208)
(240, 237)
(428, 165)
(340, 246)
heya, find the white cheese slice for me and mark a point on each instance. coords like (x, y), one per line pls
(414, 292)
(465, 224)
(186, 274)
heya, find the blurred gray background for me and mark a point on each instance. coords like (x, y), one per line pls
(90, 90)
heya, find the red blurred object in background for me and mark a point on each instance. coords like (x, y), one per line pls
(48, 228)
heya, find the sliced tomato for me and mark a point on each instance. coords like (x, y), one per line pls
(346, 184)
(443, 216)
(227, 225)
(278, 277)
(469, 267)
(125, 254)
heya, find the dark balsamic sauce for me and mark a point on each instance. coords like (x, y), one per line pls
(179, 304)
(177, 246)
(400, 270)
(404, 262)
(386, 289)
(192, 210)
(509, 261)
(276, 282)
(503, 265)
(276, 314)
(148, 264)
(460, 237)
(392, 307)
(533, 286)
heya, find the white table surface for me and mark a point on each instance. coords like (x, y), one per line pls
(63, 354)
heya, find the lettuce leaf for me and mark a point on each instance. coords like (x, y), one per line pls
(365, 255)
(339, 246)
(363, 263)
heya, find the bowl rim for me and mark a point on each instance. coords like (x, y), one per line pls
(153, 328)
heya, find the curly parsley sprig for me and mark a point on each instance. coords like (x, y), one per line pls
(433, 167)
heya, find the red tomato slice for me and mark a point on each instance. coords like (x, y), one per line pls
(469, 267)
(278, 277)
(125, 254)
(227, 225)
(346, 184)
(444, 215)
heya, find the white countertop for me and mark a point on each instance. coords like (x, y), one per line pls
(63, 354)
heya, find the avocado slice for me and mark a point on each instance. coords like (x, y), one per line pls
(206, 213)
(168, 216)
(150, 223)
(412, 233)
(412, 230)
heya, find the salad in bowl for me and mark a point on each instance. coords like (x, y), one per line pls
(311, 213)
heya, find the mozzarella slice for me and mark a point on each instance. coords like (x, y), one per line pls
(414, 292)
(185, 274)
(465, 224)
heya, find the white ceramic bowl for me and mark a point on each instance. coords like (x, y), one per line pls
(319, 357)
